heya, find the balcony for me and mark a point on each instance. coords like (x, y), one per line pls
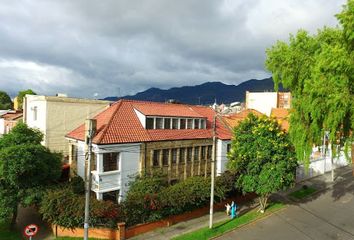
(105, 181)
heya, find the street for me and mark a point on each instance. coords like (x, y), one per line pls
(326, 215)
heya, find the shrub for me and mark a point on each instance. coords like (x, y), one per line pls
(150, 198)
(77, 185)
(65, 208)
(225, 185)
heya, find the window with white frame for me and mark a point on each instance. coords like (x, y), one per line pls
(174, 123)
(110, 161)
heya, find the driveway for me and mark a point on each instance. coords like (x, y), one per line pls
(327, 215)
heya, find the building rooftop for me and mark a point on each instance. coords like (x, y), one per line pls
(120, 123)
(282, 116)
(12, 115)
(233, 120)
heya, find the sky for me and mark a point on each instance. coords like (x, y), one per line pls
(94, 49)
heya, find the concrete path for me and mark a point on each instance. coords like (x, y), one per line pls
(327, 215)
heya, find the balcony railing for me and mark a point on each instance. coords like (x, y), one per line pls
(105, 181)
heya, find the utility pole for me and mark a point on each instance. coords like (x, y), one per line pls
(213, 160)
(90, 130)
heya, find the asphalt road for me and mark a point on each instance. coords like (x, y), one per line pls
(327, 215)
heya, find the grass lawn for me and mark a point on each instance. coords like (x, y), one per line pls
(73, 238)
(225, 226)
(7, 234)
(303, 192)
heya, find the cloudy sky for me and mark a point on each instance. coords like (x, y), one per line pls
(113, 47)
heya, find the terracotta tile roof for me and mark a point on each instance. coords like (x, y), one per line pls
(166, 109)
(120, 123)
(282, 116)
(12, 115)
(234, 119)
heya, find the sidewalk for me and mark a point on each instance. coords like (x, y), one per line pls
(320, 182)
(189, 226)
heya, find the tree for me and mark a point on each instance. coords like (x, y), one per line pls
(26, 168)
(5, 101)
(263, 157)
(319, 71)
(22, 94)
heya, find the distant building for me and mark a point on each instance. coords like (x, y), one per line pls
(57, 115)
(8, 120)
(133, 137)
(265, 101)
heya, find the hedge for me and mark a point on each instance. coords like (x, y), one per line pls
(65, 208)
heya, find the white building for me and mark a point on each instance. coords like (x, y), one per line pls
(134, 137)
(54, 116)
(264, 102)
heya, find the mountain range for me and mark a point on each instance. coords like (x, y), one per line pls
(206, 93)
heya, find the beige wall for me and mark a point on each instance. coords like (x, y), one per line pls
(57, 116)
(179, 170)
(62, 117)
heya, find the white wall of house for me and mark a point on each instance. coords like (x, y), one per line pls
(262, 101)
(129, 165)
(81, 159)
(221, 155)
(141, 117)
(320, 166)
(2, 126)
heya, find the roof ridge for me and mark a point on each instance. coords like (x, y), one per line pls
(118, 104)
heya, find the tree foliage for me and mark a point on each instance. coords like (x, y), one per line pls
(150, 198)
(5, 101)
(319, 70)
(62, 206)
(22, 94)
(262, 156)
(26, 167)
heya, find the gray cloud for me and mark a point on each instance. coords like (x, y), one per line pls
(84, 47)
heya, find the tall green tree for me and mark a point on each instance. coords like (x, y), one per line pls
(26, 168)
(22, 94)
(263, 158)
(5, 101)
(319, 71)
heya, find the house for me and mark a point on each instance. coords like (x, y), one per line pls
(54, 116)
(134, 137)
(265, 101)
(8, 120)
(282, 116)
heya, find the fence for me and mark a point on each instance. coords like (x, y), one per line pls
(320, 166)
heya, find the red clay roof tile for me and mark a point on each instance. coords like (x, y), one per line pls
(120, 124)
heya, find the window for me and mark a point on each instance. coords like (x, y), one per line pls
(165, 155)
(111, 196)
(149, 123)
(202, 124)
(189, 154)
(182, 123)
(110, 161)
(74, 151)
(167, 123)
(182, 155)
(210, 149)
(174, 123)
(159, 123)
(156, 158)
(34, 113)
(228, 148)
(174, 155)
(196, 154)
(196, 123)
(189, 123)
(203, 152)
